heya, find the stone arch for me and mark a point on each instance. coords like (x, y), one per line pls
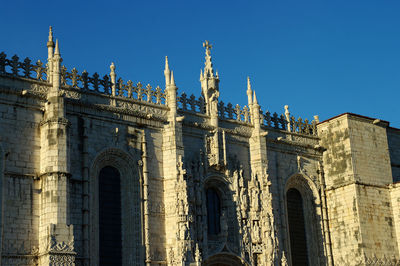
(131, 214)
(311, 203)
(224, 259)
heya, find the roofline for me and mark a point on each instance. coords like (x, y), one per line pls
(386, 123)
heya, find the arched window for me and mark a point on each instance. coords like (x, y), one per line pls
(110, 229)
(297, 232)
(213, 212)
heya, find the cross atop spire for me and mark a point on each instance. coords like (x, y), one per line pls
(208, 47)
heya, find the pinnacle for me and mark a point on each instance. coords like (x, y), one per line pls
(255, 98)
(248, 84)
(57, 50)
(166, 63)
(172, 78)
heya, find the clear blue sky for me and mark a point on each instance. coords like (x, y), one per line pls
(319, 57)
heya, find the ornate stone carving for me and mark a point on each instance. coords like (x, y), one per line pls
(142, 108)
(39, 89)
(61, 260)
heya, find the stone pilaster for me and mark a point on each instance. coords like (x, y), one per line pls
(260, 216)
(175, 189)
(56, 240)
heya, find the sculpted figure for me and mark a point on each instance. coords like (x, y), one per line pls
(244, 202)
(256, 233)
(224, 223)
(181, 208)
(184, 234)
(197, 254)
(256, 200)
(171, 256)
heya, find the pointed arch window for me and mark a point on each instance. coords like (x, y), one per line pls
(297, 231)
(110, 224)
(213, 211)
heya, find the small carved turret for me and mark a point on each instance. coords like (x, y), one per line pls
(167, 73)
(256, 112)
(171, 90)
(287, 115)
(249, 92)
(50, 51)
(113, 78)
(50, 44)
(56, 67)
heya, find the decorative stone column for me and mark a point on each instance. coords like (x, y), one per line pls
(56, 239)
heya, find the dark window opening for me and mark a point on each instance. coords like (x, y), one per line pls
(297, 232)
(110, 217)
(213, 212)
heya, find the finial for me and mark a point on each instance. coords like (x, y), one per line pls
(201, 74)
(255, 98)
(248, 84)
(316, 118)
(166, 63)
(112, 67)
(216, 74)
(56, 50)
(172, 78)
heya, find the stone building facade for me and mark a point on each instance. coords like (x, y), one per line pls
(100, 171)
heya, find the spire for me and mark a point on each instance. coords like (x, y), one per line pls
(167, 73)
(249, 92)
(56, 62)
(57, 50)
(208, 68)
(172, 78)
(201, 74)
(255, 98)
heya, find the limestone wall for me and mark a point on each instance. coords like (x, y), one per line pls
(395, 203)
(344, 225)
(378, 235)
(20, 141)
(21, 220)
(338, 163)
(369, 151)
(357, 172)
(98, 134)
